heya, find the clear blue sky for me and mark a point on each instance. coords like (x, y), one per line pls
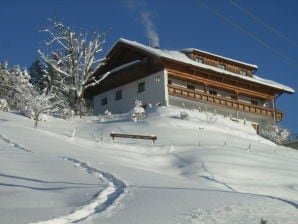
(178, 23)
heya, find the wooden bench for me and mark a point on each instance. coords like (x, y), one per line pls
(148, 137)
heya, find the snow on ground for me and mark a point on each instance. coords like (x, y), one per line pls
(203, 169)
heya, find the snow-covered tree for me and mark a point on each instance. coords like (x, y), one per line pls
(17, 91)
(37, 72)
(4, 105)
(22, 88)
(46, 79)
(75, 57)
(15, 85)
(4, 80)
(275, 133)
(55, 84)
(37, 104)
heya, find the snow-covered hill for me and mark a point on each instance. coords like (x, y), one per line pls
(202, 169)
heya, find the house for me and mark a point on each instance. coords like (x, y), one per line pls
(190, 78)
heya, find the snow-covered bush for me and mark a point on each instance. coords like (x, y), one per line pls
(211, 118)
(68, 114)
(138, 112)
(275, 133)
(3, 105)
(44, 117)
(106, 116)
(107, 113)
(183, 115)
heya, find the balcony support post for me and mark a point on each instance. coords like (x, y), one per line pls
(274, 108)
(274, 111)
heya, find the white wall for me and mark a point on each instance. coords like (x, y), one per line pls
(155, 93)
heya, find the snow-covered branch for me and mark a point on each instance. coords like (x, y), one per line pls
(47, 60)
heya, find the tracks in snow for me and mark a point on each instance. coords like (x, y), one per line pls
(102, 200)
(13, 144)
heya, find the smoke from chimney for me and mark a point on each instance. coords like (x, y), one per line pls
(149, 27)
(145, 15)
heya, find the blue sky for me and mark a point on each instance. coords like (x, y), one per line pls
(222, 28)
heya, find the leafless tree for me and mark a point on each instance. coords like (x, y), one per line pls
(74, 56)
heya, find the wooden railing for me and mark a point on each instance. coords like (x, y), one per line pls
(222, 101)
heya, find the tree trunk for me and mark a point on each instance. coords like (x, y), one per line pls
(80, 104)
(36, 116)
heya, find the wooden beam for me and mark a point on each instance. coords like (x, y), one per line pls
(220, 85)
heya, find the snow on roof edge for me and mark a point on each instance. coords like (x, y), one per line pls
(274, 84)
(181, 57)
(188, 50)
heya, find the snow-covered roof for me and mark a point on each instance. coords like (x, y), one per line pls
(179, 56)
(190, 50)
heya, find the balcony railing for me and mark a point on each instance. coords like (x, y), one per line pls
(222, 101)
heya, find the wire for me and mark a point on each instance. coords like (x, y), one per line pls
(264, 24)
(263, 43)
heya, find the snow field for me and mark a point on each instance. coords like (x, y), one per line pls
(197, 172)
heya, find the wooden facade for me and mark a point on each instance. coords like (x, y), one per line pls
(196, 76)
(224, 102)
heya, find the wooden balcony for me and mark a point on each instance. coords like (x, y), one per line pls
(222, 101)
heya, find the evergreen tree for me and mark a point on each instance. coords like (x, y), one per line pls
(21, 89)
(37, 72)
(58, 86)
(4, 80)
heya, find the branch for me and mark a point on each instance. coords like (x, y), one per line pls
(45, 58)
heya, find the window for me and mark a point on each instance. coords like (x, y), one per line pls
(213, 92)
(266, 105)
(118, 95)
(104, 101)
(222, 66)
(243, 72)
(254, 102)
(141, 87)
(200, 60)
(233, 97)
(189, 86)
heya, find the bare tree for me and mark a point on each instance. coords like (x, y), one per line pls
(74, 56)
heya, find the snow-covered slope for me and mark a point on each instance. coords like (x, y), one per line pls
(202, 169)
